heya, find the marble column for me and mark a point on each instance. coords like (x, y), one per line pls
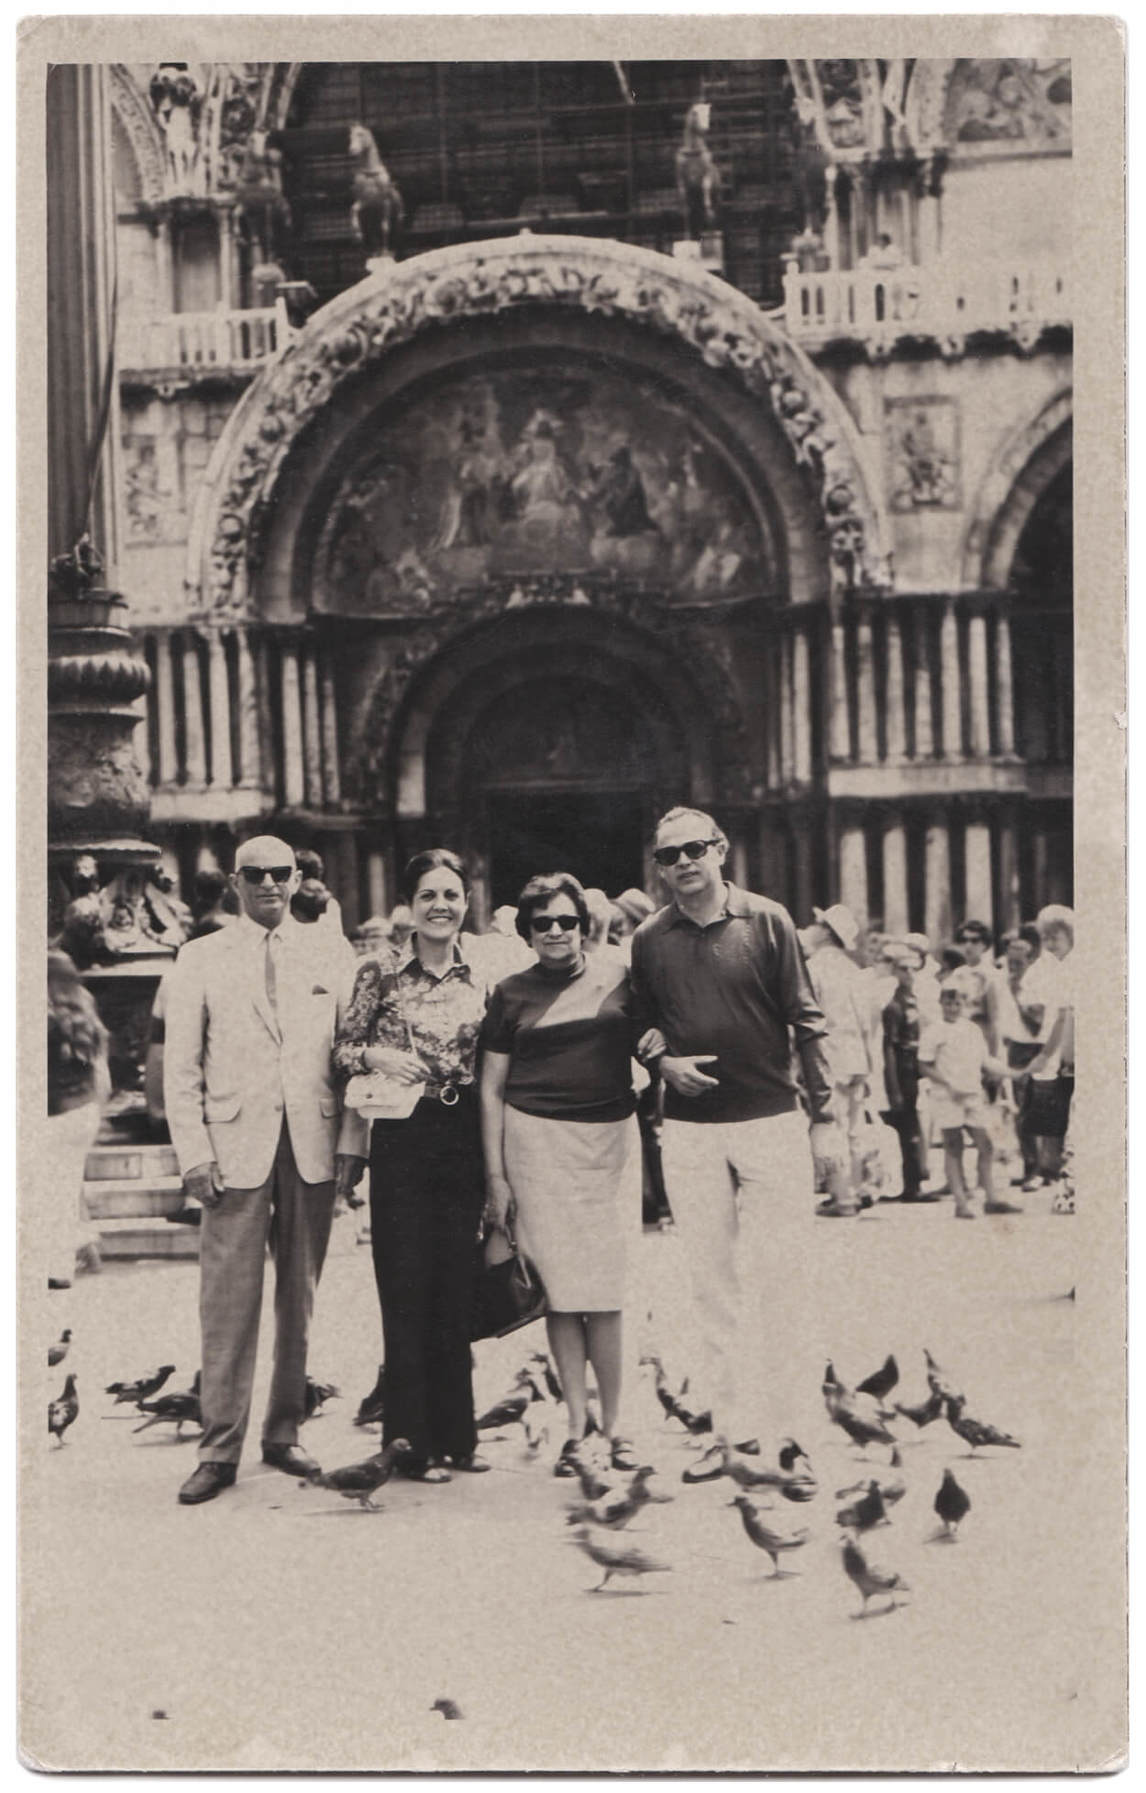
(1004, 685)
(376, 883)
(896, 706)
(895, 918)
(1010, 915)
(250, 748)
(801, 708)
(980, 739)
(331, 776)
(868, 737)
(802, 854)
(165, 709)
(949, 684)
(853, 872)
(924, 721)
(937, 883)
(194, 733)
(839, 734)
(977, 854)
(312, 731)
(294, 783)
(222, 767)
(787, 754)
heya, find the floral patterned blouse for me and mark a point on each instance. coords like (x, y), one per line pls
(444, 1015)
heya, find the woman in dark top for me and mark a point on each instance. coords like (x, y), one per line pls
(418, 1017)
(561, 1144)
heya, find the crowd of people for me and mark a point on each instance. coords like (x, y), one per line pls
(529, 1086)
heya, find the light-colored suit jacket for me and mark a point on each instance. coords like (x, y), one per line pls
(233, 1065)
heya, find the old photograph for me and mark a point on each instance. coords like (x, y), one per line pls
(578, 811)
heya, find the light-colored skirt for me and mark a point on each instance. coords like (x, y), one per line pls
(577, 1186)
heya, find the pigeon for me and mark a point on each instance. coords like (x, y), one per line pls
(864, 1513)
(838, 1398)
(358, 1481)
(143, 1389)
(928, 1410)
(536, 1428)
(881, 1382)
(178, 1409)
(952, 1503)
(63, 1410)
(751, 1475)
(673, 1406)
(592, 1486)
(766, 1537)
(447, 1708)
(617, 1506)
(617, 1558)
(976, 1432)
(869, 1579)
(545, 1368)
(790, 1454)
(316, 1396)
(370, 1408)
(510, 1410)
(937, 1380)
(862, 1431)
(58, 1351)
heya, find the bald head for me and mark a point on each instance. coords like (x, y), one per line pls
(265, 878)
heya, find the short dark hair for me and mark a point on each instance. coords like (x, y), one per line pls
(429, 861)
(951, 958)
(1031, 935)
(538, 892)
(977, 930)
(309, 862)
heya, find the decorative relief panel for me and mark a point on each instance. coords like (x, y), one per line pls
(1008, 100)
(531, 472)
(921, 437)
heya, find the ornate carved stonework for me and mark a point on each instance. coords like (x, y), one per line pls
(699, 646)
(718, 324)
(1010, 101)
(841, 102)
(146, 139)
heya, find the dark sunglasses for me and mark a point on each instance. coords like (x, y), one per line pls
(541, 924)
(254, 874)
(692, 849)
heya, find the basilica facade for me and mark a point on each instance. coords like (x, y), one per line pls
(507, 451)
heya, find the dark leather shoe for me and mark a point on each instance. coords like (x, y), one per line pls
(291, 1459)
(207, 1481)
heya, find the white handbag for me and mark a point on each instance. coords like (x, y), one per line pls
(380, 1096)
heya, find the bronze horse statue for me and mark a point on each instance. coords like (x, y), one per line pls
(697, 176)
(377, 211)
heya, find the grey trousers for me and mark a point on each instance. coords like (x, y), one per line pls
(295, 1218)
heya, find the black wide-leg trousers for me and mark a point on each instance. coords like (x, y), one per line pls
(427, 1191)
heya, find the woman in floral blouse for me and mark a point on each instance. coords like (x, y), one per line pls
(426, 1184)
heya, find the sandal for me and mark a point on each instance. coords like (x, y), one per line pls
(623, 1456)
(471, 1465)
(566, 1464)
(424, 1472)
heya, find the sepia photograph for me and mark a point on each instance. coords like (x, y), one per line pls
(562, 566)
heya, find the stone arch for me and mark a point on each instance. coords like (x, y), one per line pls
(627, 644)
(925, 105)
(137, 121)
(1020, 473)
(719, 329)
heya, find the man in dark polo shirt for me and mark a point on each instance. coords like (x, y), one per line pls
(720, 974)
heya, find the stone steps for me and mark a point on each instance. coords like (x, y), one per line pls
(131, 1191)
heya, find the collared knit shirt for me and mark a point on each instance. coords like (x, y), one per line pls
(737, 987)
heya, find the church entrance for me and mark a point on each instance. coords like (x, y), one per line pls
(596, 835)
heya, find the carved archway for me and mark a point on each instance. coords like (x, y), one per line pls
(132, 109)
(1020, 473)
(675, 668)
(717, 327)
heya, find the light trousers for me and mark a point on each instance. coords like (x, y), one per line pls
(294, 1218)
(741, 1194)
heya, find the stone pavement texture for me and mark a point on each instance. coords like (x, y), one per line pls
(281, 1627)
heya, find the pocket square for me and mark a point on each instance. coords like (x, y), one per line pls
(320, 990)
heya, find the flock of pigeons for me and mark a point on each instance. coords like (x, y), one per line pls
(609, 1500)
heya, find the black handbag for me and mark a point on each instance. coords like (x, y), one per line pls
(508, 1294)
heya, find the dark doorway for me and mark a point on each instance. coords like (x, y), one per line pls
(596, 835)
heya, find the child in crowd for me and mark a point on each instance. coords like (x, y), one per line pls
(953, 1055)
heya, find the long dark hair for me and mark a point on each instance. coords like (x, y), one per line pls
(429, 861)
(76, 1034)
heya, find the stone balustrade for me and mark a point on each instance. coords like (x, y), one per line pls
(192, 344)
(943, 301)
(239, 720)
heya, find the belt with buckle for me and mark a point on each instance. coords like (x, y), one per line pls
(449, 1095)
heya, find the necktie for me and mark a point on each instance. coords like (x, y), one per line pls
(272, 976)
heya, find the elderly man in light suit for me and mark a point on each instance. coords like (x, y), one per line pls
(258, 1128)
